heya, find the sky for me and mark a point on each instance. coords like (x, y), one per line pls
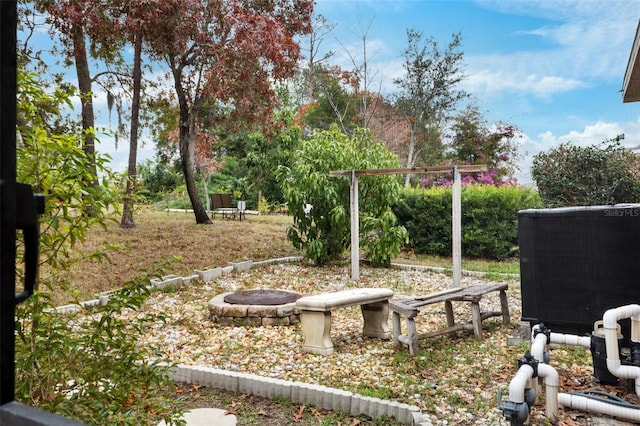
(552, 68)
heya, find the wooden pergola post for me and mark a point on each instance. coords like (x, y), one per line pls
(456, 227)
(456, 210)
(355, 228)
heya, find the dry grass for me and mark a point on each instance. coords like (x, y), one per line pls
(159, 236)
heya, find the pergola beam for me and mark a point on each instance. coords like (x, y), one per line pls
(455, 211)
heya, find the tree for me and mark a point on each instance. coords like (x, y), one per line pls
(76, 20)
(264, 157)
(473, 141)
(319, 203)
(602, 174)
(226, 53)
(335, 101)
(428, 94)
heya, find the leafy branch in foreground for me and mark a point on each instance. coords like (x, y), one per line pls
(88, 366)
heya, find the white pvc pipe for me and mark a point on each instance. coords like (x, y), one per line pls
(583, 403)
(551, 382)
(610, 329)
(520, 382)
(538, 346)
(571, 340)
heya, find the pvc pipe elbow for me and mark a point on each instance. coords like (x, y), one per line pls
(611, 317)
(550, 374)
(519, 383)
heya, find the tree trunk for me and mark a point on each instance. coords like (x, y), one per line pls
(187, 160)
(127, 208)
(410, 158)
(86, 100)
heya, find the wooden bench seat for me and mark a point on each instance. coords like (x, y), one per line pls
(315, 315)
(410, 308)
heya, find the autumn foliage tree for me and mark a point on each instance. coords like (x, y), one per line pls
(474, 141)
(226, 53)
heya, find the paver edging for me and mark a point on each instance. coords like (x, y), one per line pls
(297, 392)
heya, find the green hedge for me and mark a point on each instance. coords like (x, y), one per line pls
(489, 219)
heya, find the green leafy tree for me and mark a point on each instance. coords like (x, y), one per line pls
(427, 95)
(86, 368)
(334, 102)
(319, 203)
(602, 174)
(265, 155)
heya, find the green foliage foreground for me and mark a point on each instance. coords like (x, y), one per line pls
(89, 369)
(319, 203)
(489, 219)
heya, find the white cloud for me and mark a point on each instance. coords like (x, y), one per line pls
(490, 82)
(591, 134)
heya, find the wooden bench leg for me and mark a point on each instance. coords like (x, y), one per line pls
(476, 319)
(376, 317)
(316, 327)
(451, 321)
(504, 307)
(412, 336)
(395, 319)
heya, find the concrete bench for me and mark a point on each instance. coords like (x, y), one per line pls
(410, 308)
(315, 315)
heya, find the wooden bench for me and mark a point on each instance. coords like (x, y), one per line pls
(221, 203)
(315, 315)
(472, 294)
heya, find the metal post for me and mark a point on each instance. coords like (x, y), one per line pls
(355, 228)
(8, 22)
(456, 219)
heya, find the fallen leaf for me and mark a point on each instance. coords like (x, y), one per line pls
(318, 414)
(229, 412)
(298, 415)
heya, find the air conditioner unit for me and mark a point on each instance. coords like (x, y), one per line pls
(577, 262)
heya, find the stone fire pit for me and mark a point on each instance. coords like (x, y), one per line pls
(255, 308)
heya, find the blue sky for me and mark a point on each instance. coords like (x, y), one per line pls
(552, 68)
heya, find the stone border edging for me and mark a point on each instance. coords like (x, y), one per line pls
(297, 392)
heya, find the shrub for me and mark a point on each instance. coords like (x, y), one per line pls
(89, 367)
(319, 203)
(489, 219)
(603, 174)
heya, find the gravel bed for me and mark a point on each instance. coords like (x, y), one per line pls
(454, 380)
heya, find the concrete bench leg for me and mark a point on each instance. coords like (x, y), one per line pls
(316, 327)
(376, 317)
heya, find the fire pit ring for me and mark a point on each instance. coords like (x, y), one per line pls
(261, 297)
(260, 307)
